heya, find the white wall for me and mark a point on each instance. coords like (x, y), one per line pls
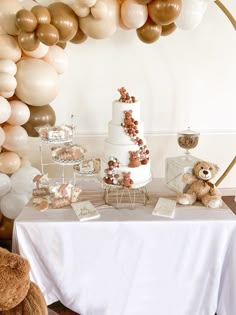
(185, 79)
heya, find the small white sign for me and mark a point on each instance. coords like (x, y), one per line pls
(165, 208)
(85, 210)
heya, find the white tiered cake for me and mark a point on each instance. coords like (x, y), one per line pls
(126, 156)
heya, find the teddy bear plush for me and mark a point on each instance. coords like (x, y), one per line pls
(200, 186)
(126, 180)
(18, 295)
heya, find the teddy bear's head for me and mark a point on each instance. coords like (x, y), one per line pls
(205, 170)
(14, 279)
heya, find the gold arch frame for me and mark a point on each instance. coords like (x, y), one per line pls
(226, 12)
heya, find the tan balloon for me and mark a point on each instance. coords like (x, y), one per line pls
(80, 37)
(8, 10)
(16, 137)
(39, 116)
(26, 21)
(64, 19)
(42, 14)
(168, 29)
(47, 34)
(9, 162)
(164, 12)
(37, 82)
(149, 32)
(105, 27)
(9, 48)
(28, 41)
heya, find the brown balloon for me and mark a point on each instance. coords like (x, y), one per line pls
(47, 34)
(26, 21)
(168, 29)
(62, 44)
(64, 19)
(144, 1)
(6, 228)
(164, 11)
(79, 37)
(28, 41)
(149, 32)
(39, 116)
(42, 14)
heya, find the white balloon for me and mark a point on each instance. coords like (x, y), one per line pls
(22, 179)
(8, 66)
(7, 94)
(191, 13)
(7, 82)
(5, 184)
(12, 204)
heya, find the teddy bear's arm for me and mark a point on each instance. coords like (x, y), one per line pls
(189, 178)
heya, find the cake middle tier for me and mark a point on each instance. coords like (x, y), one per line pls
(120, 151)
(117, 135)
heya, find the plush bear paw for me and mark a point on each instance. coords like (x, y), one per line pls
(214, 203)
(183, 200)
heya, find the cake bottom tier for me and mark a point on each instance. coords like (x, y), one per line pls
(140, 176)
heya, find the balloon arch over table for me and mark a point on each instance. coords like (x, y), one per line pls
(33, 35)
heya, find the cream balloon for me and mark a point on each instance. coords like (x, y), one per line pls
(9, 162)
(102, 28)
(57, 57)
(9, 48)
(37, 82)
(99, 10)
(8, 66)
(39, 52)
(16, 137)
(7, 94)
(88, 3)
(5, 110)
(80, 10)
(28, 4)
(2, 136)
(191, 13)
(7, 82)
(20, 113)
(8, 10)
(133, 14)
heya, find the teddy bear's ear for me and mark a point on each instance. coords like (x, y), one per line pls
(197, 163)
(215, 166)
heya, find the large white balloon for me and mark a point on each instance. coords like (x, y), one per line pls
(37, 82)
(22, 179)
(191, 13)
(12, 204)
(5, 184)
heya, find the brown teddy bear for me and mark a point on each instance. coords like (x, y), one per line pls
(126, 180)
(18, 295)
(134, 159)
(200, 186)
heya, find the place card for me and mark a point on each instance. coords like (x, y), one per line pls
(165, 208)
(85, 210)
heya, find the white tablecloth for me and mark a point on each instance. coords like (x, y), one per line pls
(129, 262)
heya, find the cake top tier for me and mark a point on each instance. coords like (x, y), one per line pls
(125, 97)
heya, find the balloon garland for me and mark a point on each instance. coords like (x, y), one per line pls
(33, 35)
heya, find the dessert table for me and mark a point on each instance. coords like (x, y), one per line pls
(129, 262)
